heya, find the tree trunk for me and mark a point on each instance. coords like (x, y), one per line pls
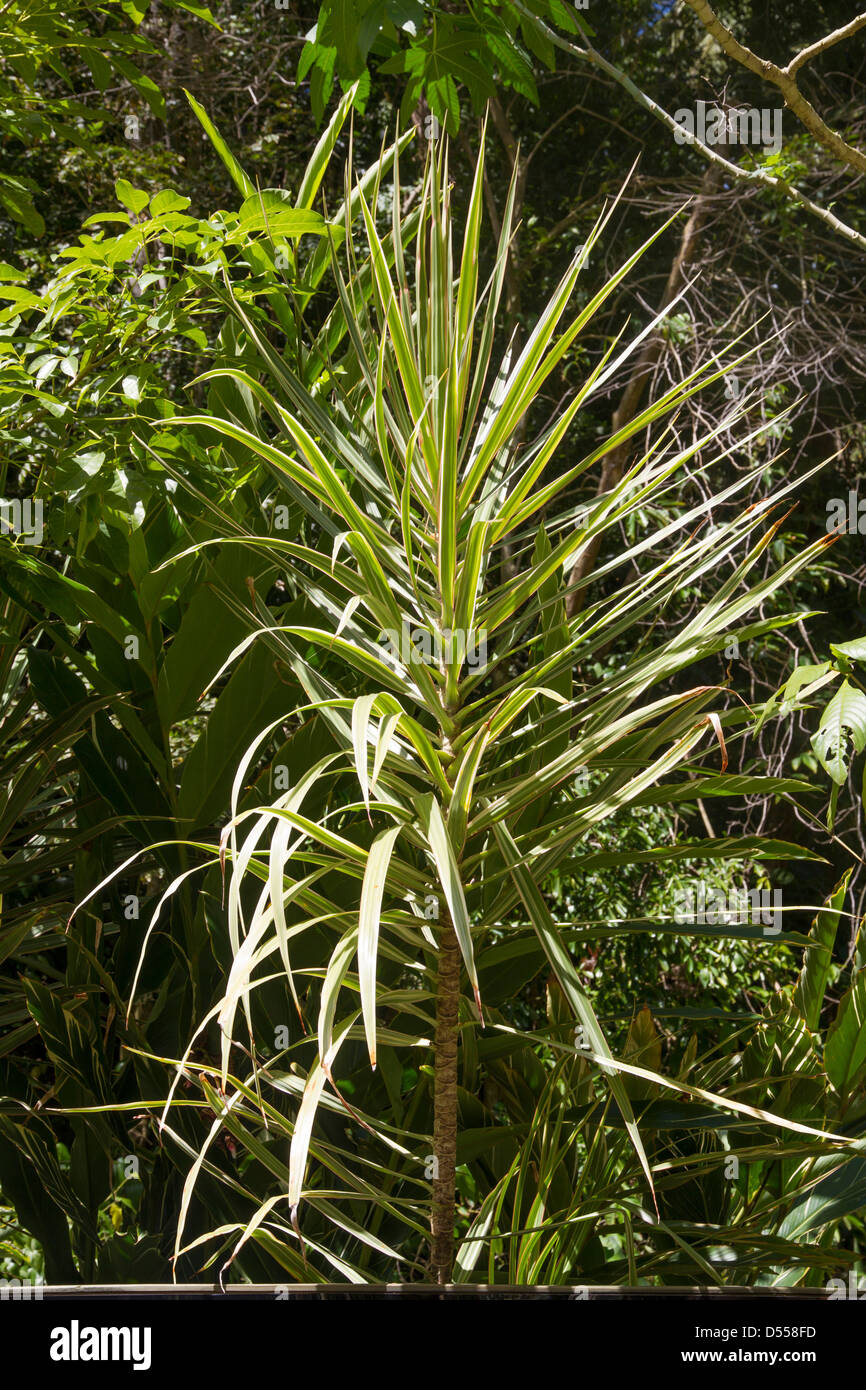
(445, 1103)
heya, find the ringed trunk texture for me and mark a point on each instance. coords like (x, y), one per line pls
(445, 1103)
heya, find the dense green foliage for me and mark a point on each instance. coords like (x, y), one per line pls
(285, 366)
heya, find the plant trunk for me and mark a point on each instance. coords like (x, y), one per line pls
(445, 1103)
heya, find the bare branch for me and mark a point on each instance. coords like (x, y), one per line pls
(753, 176)
(786, 84)
(823, 44)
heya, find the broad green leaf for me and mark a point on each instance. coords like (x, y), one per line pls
(845, 1047)
(818, 969)
(842, 732)
(839, 1191)
(136, 199)
(855, 650)
(273, 211)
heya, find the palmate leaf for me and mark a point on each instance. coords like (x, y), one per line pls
(445, 779)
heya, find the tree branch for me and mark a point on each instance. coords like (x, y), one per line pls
(754, 176)
(782, 79)
(822, 45)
